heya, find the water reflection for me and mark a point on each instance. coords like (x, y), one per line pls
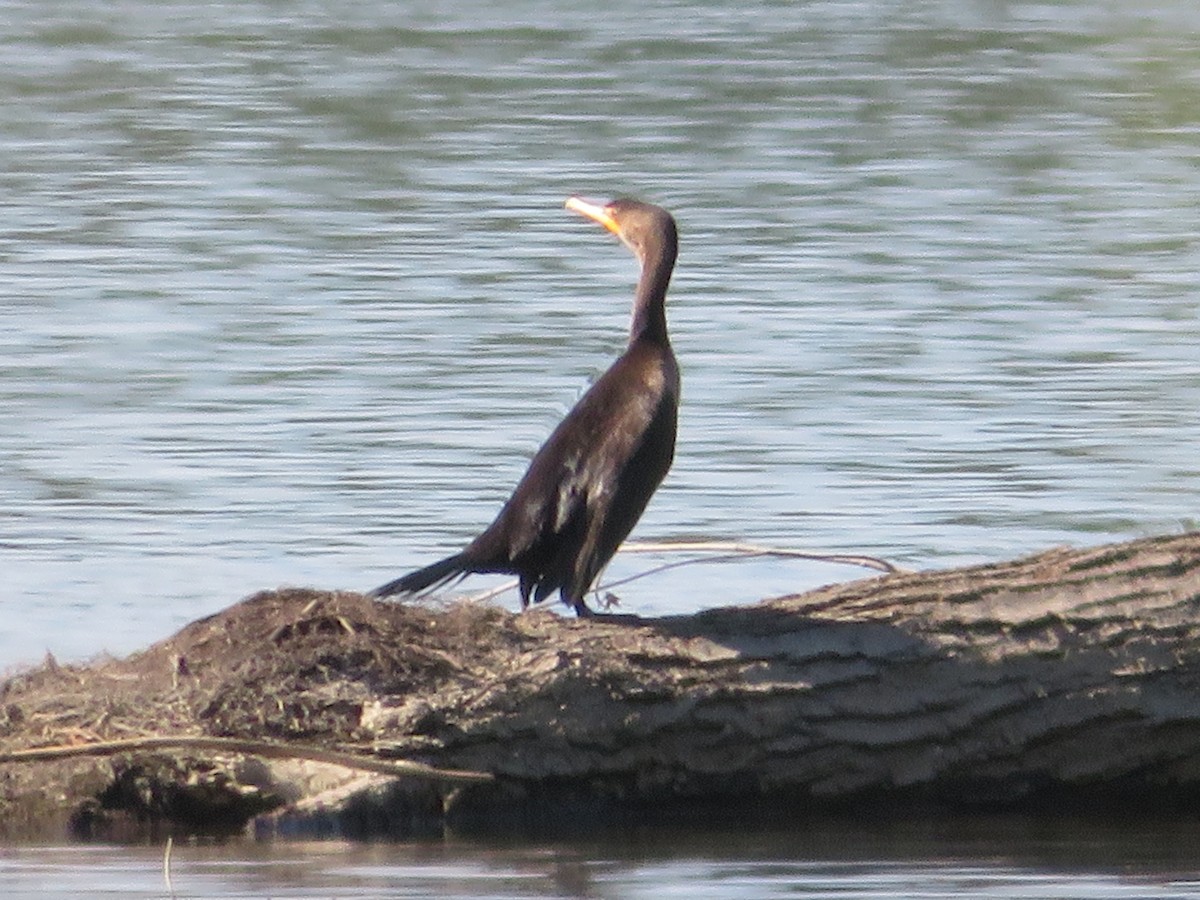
(987, 857)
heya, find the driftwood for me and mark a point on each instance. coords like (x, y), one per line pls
(1068, 678)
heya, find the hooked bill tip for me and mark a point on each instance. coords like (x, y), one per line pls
(595, 211)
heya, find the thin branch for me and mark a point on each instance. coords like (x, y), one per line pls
(609, 585)
(728, 551)
(736, 550)
(167, 867)
(398, 768)
(492, 592)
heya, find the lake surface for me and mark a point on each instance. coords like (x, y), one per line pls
(289, 296)
(1000, 859)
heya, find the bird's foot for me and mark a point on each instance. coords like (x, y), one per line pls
(608, 602)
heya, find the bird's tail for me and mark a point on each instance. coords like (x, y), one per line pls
(449, 569)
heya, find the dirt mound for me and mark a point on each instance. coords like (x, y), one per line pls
(288, 665)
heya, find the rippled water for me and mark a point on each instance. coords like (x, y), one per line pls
(289, 295)
(992, 859)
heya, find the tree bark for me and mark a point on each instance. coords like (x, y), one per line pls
(1070, 677)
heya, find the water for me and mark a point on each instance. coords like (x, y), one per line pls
(995, 858)
(287, 296)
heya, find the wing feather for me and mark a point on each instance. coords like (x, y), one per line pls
(561, 502)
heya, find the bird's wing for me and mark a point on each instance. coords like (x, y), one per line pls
(578, 469)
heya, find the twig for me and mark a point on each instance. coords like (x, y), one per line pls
(492, 592)
(727, 551)
(608, 585)
(399, 768)
(167, 867)
(737, 550)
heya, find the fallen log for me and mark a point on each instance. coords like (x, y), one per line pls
(1067, 678)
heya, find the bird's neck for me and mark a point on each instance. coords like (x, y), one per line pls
(649, 320)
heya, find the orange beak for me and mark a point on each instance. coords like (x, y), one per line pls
(595, 212)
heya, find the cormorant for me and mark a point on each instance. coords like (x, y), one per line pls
(587, 486)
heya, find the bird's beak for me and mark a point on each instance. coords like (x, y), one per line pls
(595, 212)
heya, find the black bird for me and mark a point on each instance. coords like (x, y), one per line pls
(587, 486)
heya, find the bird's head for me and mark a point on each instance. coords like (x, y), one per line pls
(648, 230)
